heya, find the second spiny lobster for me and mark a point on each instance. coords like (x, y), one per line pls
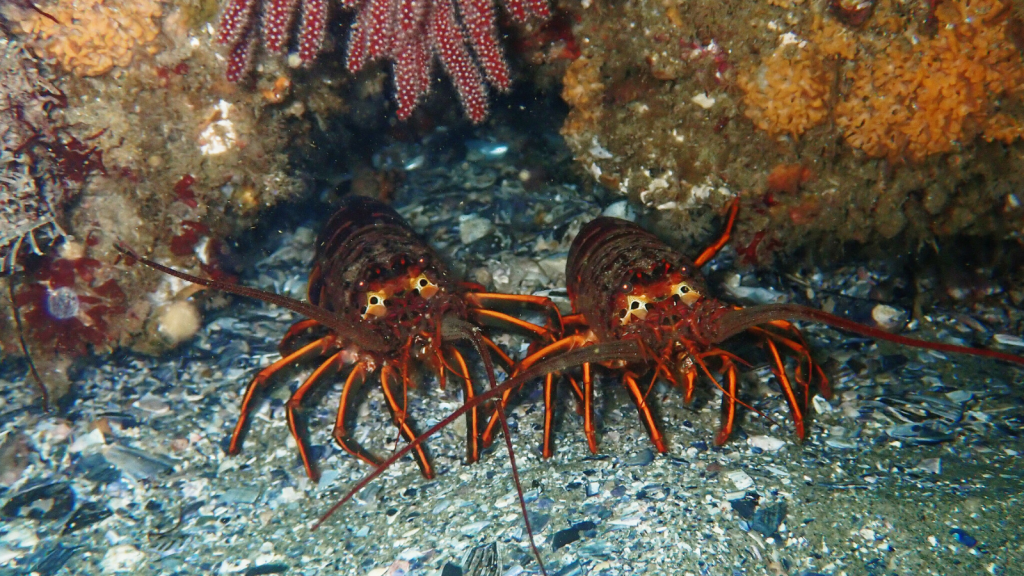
(627, 285)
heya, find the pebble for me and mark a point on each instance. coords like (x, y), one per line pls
(740, 479)
(766, 443)
(767, 520)
(473, 228)
(94, 438)
(474, 528)
(122, 558)
(1009, 340)
(241, 495)
(888, 317)
(821, 405)
(153, 404)
(933, 465)
(963, 537)
(641, 458)
(136, 463)
(755, 295)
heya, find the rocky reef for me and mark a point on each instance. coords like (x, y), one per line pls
(834, 122)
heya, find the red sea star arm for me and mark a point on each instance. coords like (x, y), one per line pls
(357, 42)
(380, 34)
(313, 28)
(413, 65)
(235, 22)
(239, 58)
(277, 19)
(448, 43)
(478, 16)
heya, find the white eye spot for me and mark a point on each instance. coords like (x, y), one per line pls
(687, 295)
(375, 305)
(422, 285)
(636, 307)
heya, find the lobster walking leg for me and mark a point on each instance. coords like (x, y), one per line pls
(473, 416)
(710, 251)
(629, 381)
(787, 390)
(315, 348)
(728, 402)
(399, 415)
(564, 345)
(295, 404)
(340, 432)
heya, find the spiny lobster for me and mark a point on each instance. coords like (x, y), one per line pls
(627, 285)
(379, 298)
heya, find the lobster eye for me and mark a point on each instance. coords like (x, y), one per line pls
(685, 293)
(423, 286)
(626, 288)
(376, 305)
(636, 308)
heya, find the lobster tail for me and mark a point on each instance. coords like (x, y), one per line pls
(728, 323)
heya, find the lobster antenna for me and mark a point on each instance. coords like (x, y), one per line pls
(24, 348)
(366, 338)
(452, 326)
(732, 322)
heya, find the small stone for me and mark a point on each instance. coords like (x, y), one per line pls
(474, 528)
(1009, 340)
(932, 465)
(766, 443)
(473, 228)
(964, 538)
(641, 458)
(122, 558)
(94, 438)
(740, 479)
(153, 404)
(888, 317)
(821, 405)
(703, 100)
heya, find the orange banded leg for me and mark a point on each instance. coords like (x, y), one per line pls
(550, 395)
(481, 299)
(689, 384)
(314, 348)
(563, 345)
(473, 416)
(295, 331)
(787, 390)
(728, 402)
(710, 251)
(340, 432)
(398, 414)
(508, 320)
(295, 404)
(645, 412)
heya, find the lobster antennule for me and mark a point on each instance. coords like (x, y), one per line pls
(729, 323)
(342, 328)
